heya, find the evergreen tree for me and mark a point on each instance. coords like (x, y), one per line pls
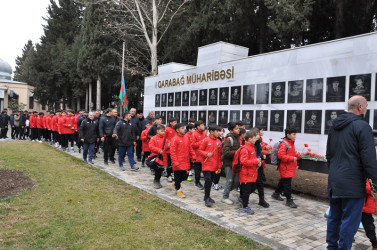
(25, 70)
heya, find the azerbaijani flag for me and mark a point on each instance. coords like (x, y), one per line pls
(123, 94)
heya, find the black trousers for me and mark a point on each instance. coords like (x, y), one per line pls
(157, 173)
(109, 147)
(198, 169)
(179, 176)
(285, 184)
(34, 133)
(208, 179)
(139, 147)
(169, 169)
(260, 183)
(216, 179)
(246, 188)
(370, 230)
(145, 156)
(13, 131)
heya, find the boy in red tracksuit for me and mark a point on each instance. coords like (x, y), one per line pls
(190, 129)
(288, 164)
(169, 135)
(158, 145)
(54, 125)
(247, 157)
(33, 125)
(180, 153)
(40, 126)
(71, 128)
(145, 143)
(210, 152)
(198, 137)
(367, 220)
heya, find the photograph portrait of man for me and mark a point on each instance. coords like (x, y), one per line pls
(194, 98)
(294, 118)
(235, 97)
(330, 115)
(203, 116)
(203, 97)
(277, 120)
(157, 100)
(247, 118)
(223, 118)
(157, 113)
(185, 98)
(263, 93)
(212, 115)
(194, 114)
(177, 114)
(295, 89)
(278, 92)
(163, 100)
(360, 85)
(170, 115)
(335, 91)
(313, 122)
(261, 119)
(185, 117)
(224, 96)
(248, 94)
(314, 90)
(212, 96)
(234, 115)
(170, 99)
(163, 116)
(177, 100)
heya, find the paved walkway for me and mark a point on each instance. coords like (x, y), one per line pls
(278, 226)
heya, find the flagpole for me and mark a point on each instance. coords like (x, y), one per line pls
(124, 45)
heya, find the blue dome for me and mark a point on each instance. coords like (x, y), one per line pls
(5, 70)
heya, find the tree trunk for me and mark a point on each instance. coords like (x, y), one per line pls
(86, 98)
(78, 104)
(339, 19)
(90, 96)
(98, 102)
(154, 40)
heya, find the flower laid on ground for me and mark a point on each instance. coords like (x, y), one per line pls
(308, 155)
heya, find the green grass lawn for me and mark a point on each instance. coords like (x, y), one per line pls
(75, 206)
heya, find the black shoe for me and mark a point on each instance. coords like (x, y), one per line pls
(263, 203)
(138, 159)
(113, 161)
(291, 204)
(276, 196)
(210, 199)
(106, 162)
(199, 185)
(208, 203)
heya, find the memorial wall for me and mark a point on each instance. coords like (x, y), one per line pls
(302, 87)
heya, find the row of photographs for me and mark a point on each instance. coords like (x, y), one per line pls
(246, 94)
(263, 118)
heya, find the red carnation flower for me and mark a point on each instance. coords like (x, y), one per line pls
(306, 145)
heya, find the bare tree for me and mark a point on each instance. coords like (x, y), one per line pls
(142, 23)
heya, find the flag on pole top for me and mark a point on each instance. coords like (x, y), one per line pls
(123, 94)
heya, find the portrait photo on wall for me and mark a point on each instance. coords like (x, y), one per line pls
(261, 119)
(163, 116)
(171, 100)
(234, 116)
(330, 115)
(248, 94)
(163, 100)
(375, 119)
(314, 90)
(278, 92)
(336, 88)
(177, 99)
(194, 114)
(247, 118)
(212, 115)
(157, 100)
(177, 114)
(157, 113)
(262, 93)
(360, 85)
(170, 115)
(185, 116)
(277, 120)
(223, 118)
(313, 122)
(224, 96)
(203, 116)
(194, 98)
(235, 96)
(185, 98)
(203, 97)
(213, 96)
(294, 118)
(295, 89)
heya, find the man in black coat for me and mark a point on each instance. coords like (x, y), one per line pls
(89, 135)
(82, 117)
(351, 157)
(106, 128)
(4, 122)
(126, 136)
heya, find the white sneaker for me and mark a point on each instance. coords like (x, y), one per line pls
(40, 141)
(60, 146)
(227, 201)
(67, 149)
(216, 186)
(170, 179)
(190, 173)
(72, 149)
